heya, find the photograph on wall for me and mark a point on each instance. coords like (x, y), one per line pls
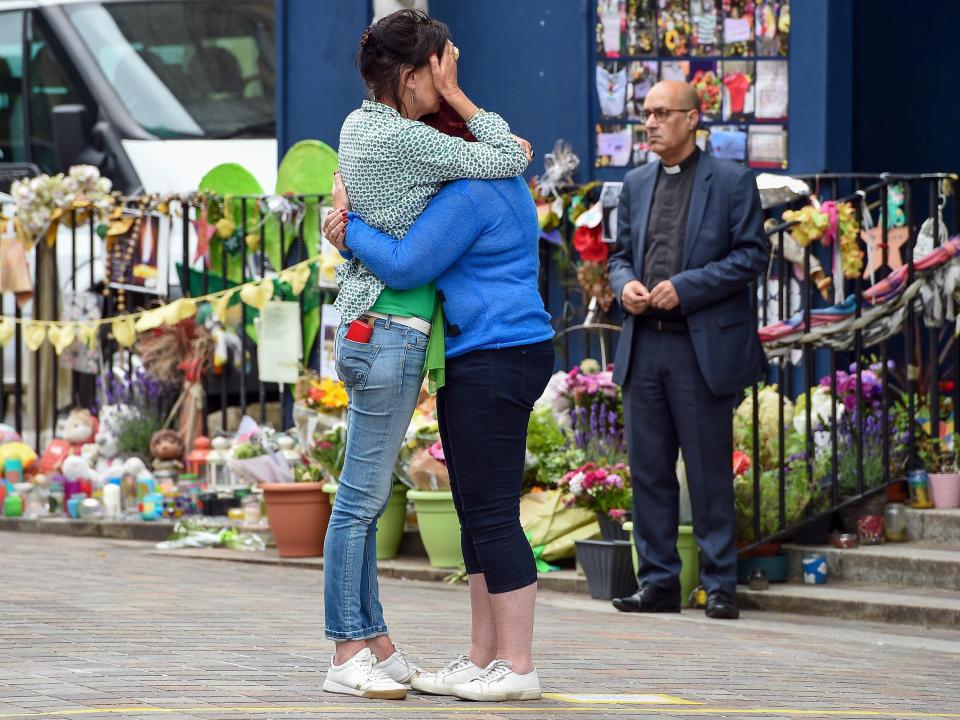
(728, 142)
(706, 28)
(641, 149)
(673, 28)
(675, 70)
(80, 307)
(611, 18)
(643, 75)
(738, 90)
(614, 145)
(609, 200)
(738, 28)
(767, 146)
(611, 81)
(772, 91)
(772, 25)
(137, 259)
(641, 27)
(706, 80)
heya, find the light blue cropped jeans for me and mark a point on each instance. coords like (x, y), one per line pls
(383, 379)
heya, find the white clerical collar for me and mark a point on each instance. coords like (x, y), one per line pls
(682, 165)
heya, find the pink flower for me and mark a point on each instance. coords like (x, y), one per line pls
(436, 452)
(616, 513)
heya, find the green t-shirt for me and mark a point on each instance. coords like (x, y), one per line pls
(418, 302)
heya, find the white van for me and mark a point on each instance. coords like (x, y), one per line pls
(169, 88)
(153, 92)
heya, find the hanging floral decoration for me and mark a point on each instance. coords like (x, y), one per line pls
(831, 222)
(43, 201)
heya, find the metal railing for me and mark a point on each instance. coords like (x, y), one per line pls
(907, 363)
(35, 410)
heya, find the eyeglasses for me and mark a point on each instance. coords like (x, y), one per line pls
(661, 114)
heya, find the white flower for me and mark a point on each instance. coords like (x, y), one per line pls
(821, 400)
(576, 485)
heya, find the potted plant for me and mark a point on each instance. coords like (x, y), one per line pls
(607, 562)
(940, 457)
(297, 508)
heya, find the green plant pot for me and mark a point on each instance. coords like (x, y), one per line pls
(689, 559)
(390, 525)
(439, 527)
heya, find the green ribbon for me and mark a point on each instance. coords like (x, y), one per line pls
(542, 565)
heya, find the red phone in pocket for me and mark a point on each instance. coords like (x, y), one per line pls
(359, 332)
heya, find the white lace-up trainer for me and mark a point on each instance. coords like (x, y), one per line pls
(459, 671)
(360, 676)
(498, 682)
(398, 668)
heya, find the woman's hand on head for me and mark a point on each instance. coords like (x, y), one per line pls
(335, 228)
(340, 198)
(444, 72)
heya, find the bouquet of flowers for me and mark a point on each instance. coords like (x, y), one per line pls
(596, 487)
(322, 394)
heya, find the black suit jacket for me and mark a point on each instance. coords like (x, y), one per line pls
(724, 250)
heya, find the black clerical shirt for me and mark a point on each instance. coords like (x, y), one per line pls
(667, 226)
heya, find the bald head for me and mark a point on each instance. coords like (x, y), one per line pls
(681, 94)
(672, 109)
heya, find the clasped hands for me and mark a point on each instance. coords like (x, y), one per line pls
(636, 299)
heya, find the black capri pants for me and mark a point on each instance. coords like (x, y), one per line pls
(483, 412)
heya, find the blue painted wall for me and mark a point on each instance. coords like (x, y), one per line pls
(531, 61)
(317, 81)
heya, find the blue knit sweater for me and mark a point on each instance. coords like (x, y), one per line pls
(477, 241)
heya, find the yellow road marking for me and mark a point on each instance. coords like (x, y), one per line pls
(618, 699)
(472, 708)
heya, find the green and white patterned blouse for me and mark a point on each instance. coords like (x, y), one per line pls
(392, 166)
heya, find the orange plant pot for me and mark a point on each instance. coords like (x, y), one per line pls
(298, 515)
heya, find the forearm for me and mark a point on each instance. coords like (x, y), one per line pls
(700, 287)
(463, 105)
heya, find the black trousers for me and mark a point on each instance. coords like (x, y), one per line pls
(483, 412)
(668, 406)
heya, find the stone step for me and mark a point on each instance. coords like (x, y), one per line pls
(910, 565)
(934, 526)
(872, 602)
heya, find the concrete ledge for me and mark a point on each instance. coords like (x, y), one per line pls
(912, 565)
(934, 526)
(133, 530)
(876, 603)
(404, 568)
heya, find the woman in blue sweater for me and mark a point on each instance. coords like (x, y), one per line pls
(477, 241)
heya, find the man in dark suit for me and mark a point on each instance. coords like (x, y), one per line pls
(690, 240)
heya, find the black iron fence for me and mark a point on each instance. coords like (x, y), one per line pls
(34, 398)
(865, 361)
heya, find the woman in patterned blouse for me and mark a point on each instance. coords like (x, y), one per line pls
(392, 165)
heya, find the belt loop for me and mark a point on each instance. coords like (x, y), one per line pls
(388, 321)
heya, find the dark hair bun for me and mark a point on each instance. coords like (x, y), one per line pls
(405, 37)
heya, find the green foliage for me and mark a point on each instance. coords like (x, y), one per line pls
(248, 450)
(134, 430)
(544, 434)
(799, 495)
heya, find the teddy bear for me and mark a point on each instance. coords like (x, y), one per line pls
(166, 447)
(80, 429)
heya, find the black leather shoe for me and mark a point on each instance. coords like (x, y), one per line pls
(722, 606)
(650, 599)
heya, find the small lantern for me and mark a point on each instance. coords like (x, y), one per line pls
(197, 458)
(218, 475)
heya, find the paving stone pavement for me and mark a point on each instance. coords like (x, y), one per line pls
(95, 628)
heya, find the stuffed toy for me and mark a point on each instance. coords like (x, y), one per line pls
(80, 429)
(166, 447)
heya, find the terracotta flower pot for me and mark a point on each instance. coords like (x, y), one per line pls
(945, 489)
(298, 515)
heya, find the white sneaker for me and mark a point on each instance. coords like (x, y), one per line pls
(398, 668)
(360, 676)
(461, 670)
(497, 682)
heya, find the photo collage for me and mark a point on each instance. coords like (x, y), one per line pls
(734, 52)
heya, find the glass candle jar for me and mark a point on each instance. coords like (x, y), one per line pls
(895, 522)
(918, 485)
